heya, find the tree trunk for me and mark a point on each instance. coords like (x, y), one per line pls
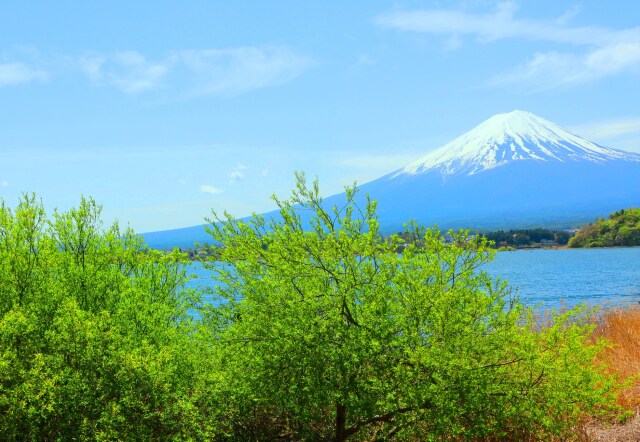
(341, 422)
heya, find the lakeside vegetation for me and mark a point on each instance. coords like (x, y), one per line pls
(620, 229)
(323, 332)
(501, 239)
(528, 238)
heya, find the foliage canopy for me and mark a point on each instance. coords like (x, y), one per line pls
(328, 333)
(622, 228)
(96, 340)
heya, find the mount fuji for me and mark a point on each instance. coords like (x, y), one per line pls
(504, 138)
(513, 170)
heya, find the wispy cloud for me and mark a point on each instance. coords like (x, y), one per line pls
(191, 73)
(129, 71)
(16, 73)
(568, 15)
(609, 128)
(233, 71)
(179, 74)
(607, 51)
(206, 188)
(237, 173)
(4, 184)
(498, 24)
(550, 70)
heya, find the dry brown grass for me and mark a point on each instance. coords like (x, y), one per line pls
(621, 327)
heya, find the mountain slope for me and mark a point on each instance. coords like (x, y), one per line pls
(513, 170)
(513, 136)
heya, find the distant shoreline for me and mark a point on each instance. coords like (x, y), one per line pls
(519, 249)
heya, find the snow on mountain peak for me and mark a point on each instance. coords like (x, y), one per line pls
(512, 136)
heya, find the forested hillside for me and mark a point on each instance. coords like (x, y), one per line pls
(621, 228)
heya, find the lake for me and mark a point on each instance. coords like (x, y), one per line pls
(608, 277)
(552, 278)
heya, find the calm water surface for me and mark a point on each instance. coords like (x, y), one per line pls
(547, 278)
(552, 278)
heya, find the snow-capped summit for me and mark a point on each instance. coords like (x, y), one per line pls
(507, 137)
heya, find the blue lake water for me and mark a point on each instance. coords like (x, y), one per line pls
(553, 278)
(606, 277)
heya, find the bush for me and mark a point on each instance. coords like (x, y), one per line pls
(95, 337)
(328, 333)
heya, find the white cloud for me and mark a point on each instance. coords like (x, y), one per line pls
(607, 51)
(265, 172)
(15, 73)
(237, 173)
(553, 69)
(206, 188)
(568, 15)
(237, 70)
(181, 73)
(191, 73)
(4, 184)
(609, 129)
(496, 25)
(129, 71)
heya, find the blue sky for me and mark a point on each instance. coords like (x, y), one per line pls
(164, 110)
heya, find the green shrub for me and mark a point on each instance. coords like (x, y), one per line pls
(95, 337)
(328, 333)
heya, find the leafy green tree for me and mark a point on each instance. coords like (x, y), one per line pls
(96, 339)
(327, 333)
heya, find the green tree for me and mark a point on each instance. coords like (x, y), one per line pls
(96, 339)
(327, 333)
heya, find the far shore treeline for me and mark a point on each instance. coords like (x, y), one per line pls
(323, 332)
(538, 237)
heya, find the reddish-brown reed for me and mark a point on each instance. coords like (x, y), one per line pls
(621, 327)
